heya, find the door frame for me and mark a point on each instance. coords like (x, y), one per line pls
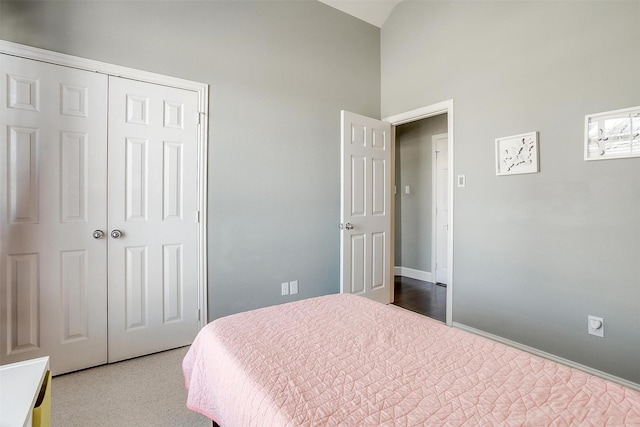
(434, 200)
(412, 116)
(202, 89)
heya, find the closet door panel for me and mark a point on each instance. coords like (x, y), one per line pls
(153, 283)
(53, 163)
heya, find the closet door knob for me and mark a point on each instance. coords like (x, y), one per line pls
(98, 234)
(116, 234)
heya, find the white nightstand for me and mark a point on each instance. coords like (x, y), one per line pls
(20, 385)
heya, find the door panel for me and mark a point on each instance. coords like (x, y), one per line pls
(378, 259)
(358, 264)
(358, 185)
(23, 320)
(378, 183)
(53, 180)
(74, 287)
(365, 246)
(153, 294)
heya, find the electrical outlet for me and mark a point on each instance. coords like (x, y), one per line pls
(285, 288)
(595, 326)
(293, 287)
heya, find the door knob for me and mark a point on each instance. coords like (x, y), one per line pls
(98, 234)
(116, 234)
(348, 226)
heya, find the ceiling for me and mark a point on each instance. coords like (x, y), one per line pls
(372, 11)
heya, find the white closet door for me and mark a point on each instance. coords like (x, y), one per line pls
(153, 270)
(53, 160)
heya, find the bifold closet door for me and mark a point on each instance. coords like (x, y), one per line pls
(153, 290)
(53, 176)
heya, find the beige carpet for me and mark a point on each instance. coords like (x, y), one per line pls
(147, 391)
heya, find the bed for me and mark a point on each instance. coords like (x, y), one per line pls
(345, 360)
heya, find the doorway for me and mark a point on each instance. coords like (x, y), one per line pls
(417, 234)
(445, 111)
(421, 221)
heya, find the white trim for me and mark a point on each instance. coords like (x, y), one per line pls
(203, 226)
(57, 58)
(411, 273)
(434, 198)
(392, 235)
(420, 113)
(202, 89)
(434, 201)
(423, 113)
(549, 356)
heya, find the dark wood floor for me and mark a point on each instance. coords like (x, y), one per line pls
(425, 298)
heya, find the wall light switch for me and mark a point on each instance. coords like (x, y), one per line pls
(407, 189)
(462, 181)
(293, 287)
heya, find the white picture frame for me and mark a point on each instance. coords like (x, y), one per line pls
(517, 154)
(612, 134)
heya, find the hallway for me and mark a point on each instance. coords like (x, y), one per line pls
(421, 297)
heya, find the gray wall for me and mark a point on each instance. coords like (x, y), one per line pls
(533, 254)
(279, 74)
(413, 211)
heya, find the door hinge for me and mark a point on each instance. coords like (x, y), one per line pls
(198, 315)
(198, 217)
(199, 117)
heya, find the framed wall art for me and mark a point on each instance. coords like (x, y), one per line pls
(517, 154)
(612, 134)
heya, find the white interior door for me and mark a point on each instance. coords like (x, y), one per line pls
(365, 242)
(53, 160)
(442, 207)
(153, 180)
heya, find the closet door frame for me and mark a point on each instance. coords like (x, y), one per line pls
(202, 89)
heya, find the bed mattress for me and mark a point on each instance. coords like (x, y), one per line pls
(345, 360)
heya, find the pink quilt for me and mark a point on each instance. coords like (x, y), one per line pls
(346, 360)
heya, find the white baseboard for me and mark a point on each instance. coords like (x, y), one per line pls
(413, 274)
(549, 356)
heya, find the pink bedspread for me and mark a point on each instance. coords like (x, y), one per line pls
(345, 360)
